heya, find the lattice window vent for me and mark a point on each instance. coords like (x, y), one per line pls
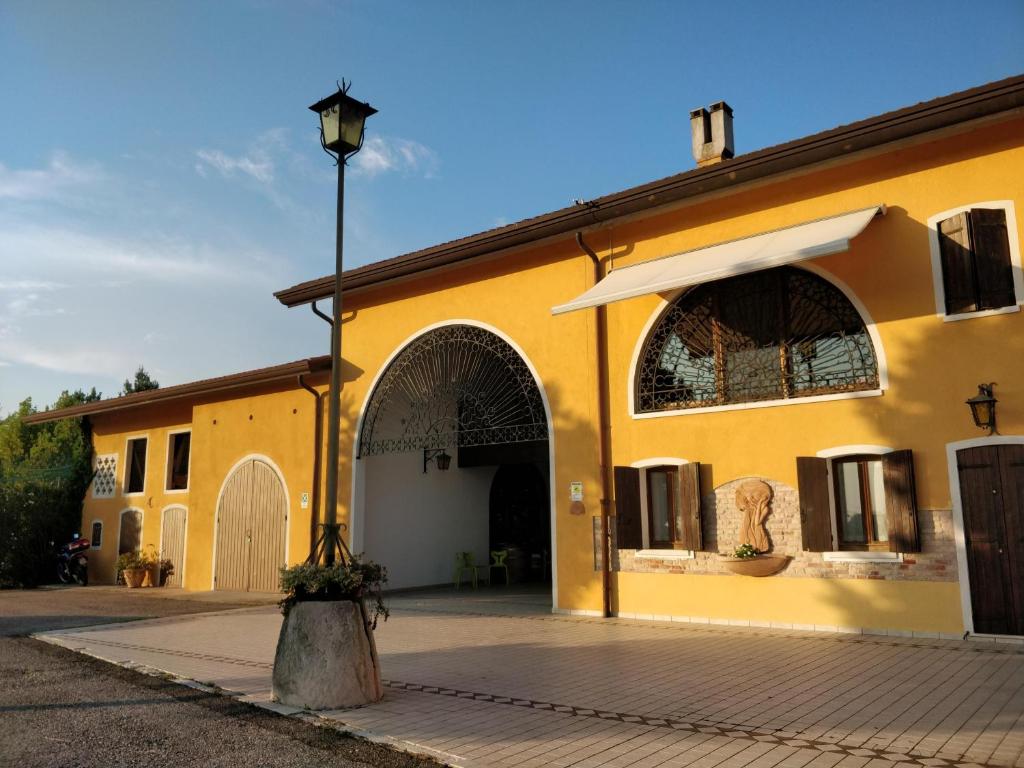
(104, 480)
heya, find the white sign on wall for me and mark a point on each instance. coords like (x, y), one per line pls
(576, 490)
(304, 502)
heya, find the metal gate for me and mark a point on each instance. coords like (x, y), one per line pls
(172, 543)
(251, 521)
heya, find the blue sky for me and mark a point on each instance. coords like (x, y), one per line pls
(160, 175)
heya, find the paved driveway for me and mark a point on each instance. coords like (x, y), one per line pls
(492, 678)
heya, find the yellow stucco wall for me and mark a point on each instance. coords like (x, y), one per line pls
(274, 424)
(110, 436)
(933, 366)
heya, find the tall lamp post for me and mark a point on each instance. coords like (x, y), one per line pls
(342, 119)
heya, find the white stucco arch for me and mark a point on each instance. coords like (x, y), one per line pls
(357, 505)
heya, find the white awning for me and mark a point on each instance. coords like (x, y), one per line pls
(736, 257)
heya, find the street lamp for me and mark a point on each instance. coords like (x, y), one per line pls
(342, 119)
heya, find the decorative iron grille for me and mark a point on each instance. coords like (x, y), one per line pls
(458, 385)
(771, 335)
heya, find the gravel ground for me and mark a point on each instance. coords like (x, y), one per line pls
(46, 608)
(61, 709)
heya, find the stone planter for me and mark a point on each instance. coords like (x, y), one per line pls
(326, 657)
(133, 577)
(762, 565)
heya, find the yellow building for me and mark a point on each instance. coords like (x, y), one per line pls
(773, 349)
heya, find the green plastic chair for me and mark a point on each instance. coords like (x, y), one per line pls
(499, 558)
(463, 563)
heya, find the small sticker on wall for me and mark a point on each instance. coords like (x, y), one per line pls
(576, 491)
(304, 502)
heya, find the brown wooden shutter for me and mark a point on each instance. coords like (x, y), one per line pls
(688, 519)
(901, 501)
(815, 510)
(957, 265)
(628, 530)
(991, 248)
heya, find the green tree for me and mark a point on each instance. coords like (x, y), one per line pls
(141, 383)
(44, 472)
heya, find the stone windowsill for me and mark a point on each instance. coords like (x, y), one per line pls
(664, 554)
(862, 557)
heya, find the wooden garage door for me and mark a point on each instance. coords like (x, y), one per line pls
(251, 522)
(172, 543)
(992, 496)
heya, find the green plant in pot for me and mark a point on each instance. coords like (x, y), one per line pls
(133, 567)
(326, 655)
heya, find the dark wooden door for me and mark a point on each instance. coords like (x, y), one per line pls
(992, 496)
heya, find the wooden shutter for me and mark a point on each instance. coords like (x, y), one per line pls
(957, 265)
(628, 530)
(815, 510)
(688, 518)
(900, 501)
(991, 247)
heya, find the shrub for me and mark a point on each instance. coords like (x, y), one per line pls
(355, 580)
(745, 551)
(131, 560)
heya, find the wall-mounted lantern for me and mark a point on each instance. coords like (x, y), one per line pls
(983, 408)
(437, 455)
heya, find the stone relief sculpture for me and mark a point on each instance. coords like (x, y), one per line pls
(754, 498)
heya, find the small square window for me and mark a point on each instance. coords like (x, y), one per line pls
(861, 521)
(96, 541)
(135, 473)
(178, 448)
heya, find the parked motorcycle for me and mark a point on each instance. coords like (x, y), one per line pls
(72, 562)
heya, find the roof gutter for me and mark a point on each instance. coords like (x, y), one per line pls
(1005, 96)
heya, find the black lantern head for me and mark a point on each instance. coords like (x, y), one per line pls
(439, 456)
(983, 408)
(342, 119)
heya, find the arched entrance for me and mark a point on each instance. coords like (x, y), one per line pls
(464, 390)
(252, 516)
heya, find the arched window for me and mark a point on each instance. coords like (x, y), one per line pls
(771, 335)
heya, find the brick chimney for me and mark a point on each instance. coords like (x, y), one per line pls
(711, 131)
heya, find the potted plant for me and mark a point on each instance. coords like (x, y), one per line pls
(747, 561)
(152, 577)
(133, 567)
(166, 571)
(326, 656)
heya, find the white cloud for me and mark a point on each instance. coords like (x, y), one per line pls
(257, 165)
(382, 155)
(59, 176)
(30, 285)
(156, 260)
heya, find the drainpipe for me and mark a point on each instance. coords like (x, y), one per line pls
(318, 425)
(604, 430)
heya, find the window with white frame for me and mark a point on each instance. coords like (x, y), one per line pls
(178, 448)
(976, 260)
(658, 507)
(135, 465)
(861, 501)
